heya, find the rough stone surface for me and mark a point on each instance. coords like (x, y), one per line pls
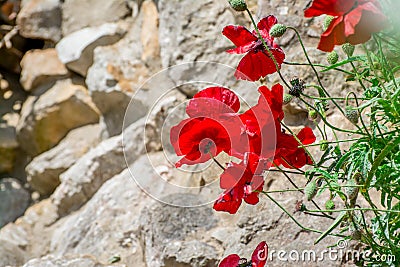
(85, 177)
(46, 119)
(68, 261)
(8, 148)
(76, 49)
(44, 170)
(14, 200)
(11, 255)
(51, 69)
(96, 12)
(119, 70)
(40, 19)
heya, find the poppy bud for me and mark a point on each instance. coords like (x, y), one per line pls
(277, 30)
(351, 189)
(352, 115)
(323, 145)
(310, 190)
(312, 115)
(329, 204)
(348, 49)
(358, 177)
(238, 5)
(287, 98)
(327, 22)
(332, 57)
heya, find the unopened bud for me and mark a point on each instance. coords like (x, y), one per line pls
(329, 204)
(238, 5)
(352, 115)
(287, 98)
(312, 115)
(348, 49)
(332, 57)
(327, 22)
(277, 30)
(310, 190)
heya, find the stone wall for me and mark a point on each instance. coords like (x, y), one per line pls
(68, 154)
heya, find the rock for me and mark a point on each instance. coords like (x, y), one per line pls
(81, 181)
(51, 69)
(44, 170)
(96, 12)
(13, 200)
(76, 49)
(46, 119)
(8, 148)
(107, 225)
(190, 253)
(40, 19)
(163, 224)
(67, 261)
(119, 69)
(10, 254)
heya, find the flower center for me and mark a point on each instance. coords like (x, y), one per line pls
(206, 145)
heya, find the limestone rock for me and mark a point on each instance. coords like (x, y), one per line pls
(67, 261)
(46, 119)
(40, 19)
(14, 200)
(8, 148)
(41, 67)
(118, 70)
(44, 170)
(107, 225)
(163, 224)
(96, 12)
(81, 181)
(76, 49)
(10, 254)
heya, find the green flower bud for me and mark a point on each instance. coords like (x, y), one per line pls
(327, 21)
(332, 57)
(277, 30)
(312, 115)
(376, 65)
(323, 145)
(287, 98)
(238, 5)
(329, 204)
(311, 190)
(351, 189)
(352, 115)
(348, 49)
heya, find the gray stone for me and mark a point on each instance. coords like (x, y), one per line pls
(14, 200)
(162, 224)
(44, 170)
(96, 12)
(51, 69)
(76, 49)
(8, 148)
(81, 181)
(11, 255)
(40, 19)
(67, 261)
(118, 70)
(47, 118)
(107, 225)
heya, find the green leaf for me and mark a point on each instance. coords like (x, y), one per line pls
(331, 228)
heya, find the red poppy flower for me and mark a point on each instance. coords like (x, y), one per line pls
(259, 123)
(240, 181)
(289, 154)
(212, 102)
(354, 21)
(258, 258)
(196, 139)
(257, 62)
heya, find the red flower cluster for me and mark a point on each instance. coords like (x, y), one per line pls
(255, 137)
(354, 21)
(257, 63)
(258, 258)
